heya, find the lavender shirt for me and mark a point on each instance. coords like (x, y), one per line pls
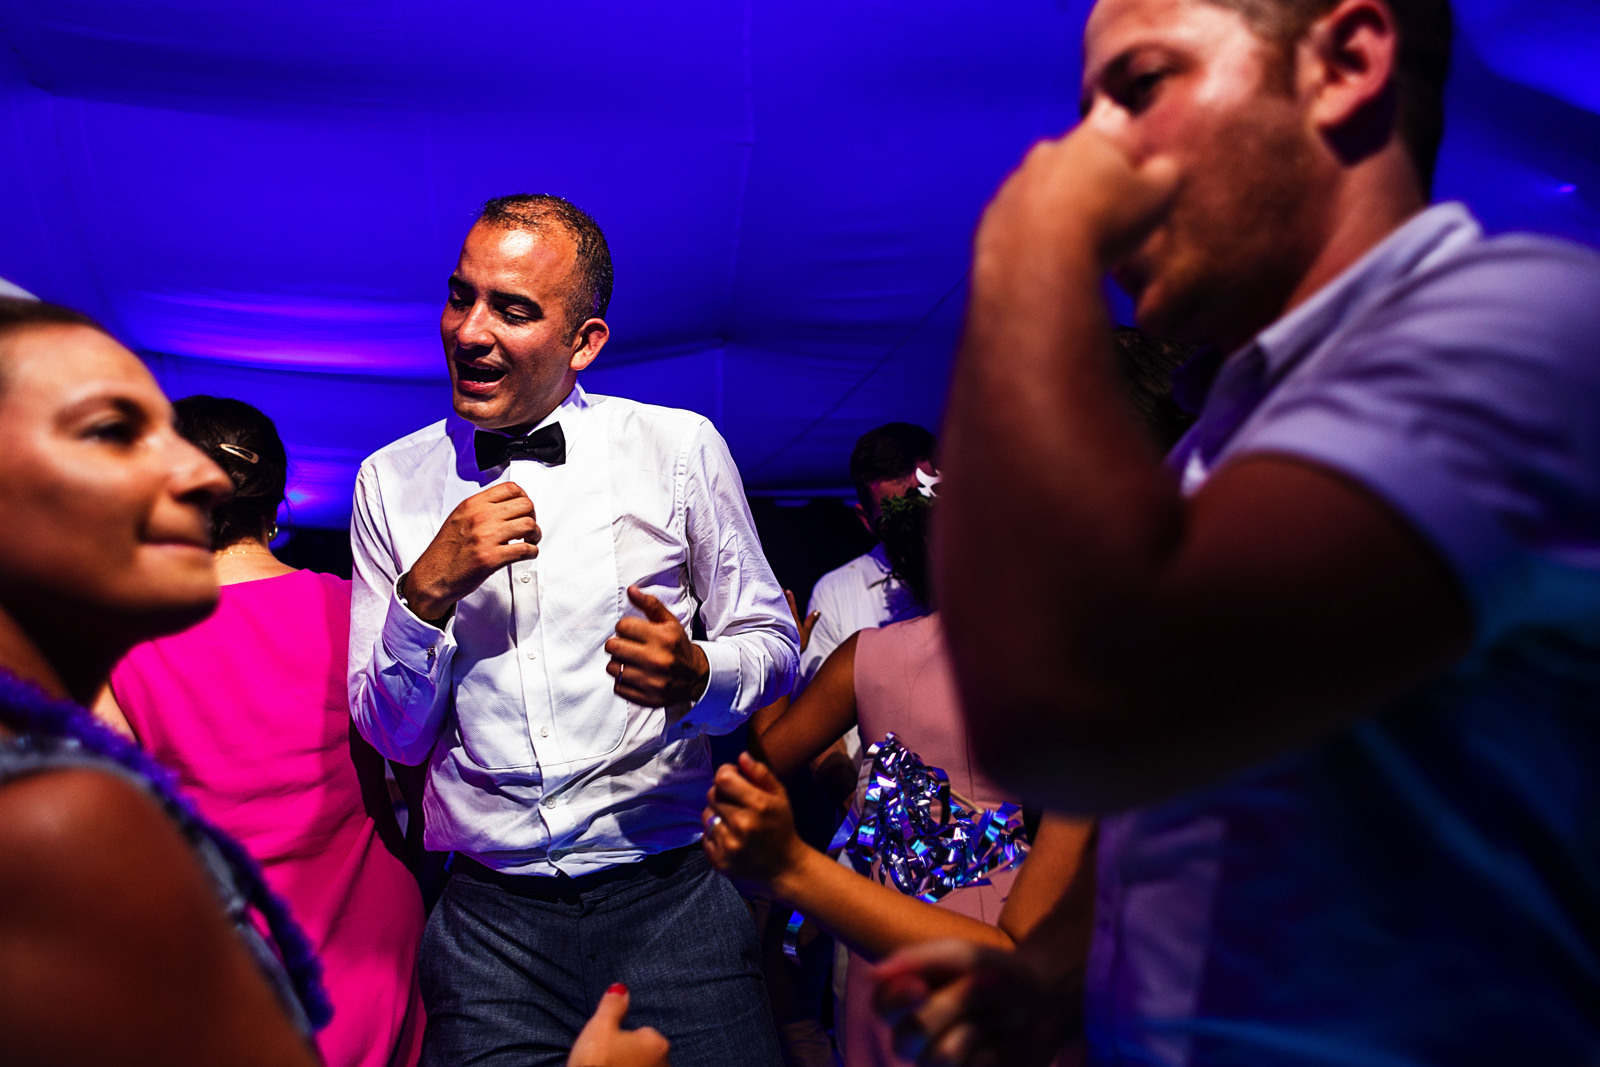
(1424, 887)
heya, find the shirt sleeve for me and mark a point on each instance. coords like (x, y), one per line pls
(399, 665)
(751, 643)
(1469, 407)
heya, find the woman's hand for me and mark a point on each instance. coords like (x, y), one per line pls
(604, 1043)
(806, 624)
(957, 1003)
(749, 825)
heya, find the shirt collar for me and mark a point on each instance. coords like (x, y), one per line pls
(881, 558)
(1419, 243)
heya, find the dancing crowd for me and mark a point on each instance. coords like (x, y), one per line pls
(1218, 692)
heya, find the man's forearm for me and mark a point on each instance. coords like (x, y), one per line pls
(1050, 482)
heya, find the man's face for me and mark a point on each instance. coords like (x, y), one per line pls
(1192, 81)
(507, 338)
(880, 491)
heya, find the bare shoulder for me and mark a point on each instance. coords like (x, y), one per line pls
(111, 937)
(90, 866)
(57, 823)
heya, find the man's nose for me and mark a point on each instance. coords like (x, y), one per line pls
(474, 330)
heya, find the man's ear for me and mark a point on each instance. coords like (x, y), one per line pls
(588, 341)
(861, 513)
(1351, 52)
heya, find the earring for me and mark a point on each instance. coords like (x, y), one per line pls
(272, 534)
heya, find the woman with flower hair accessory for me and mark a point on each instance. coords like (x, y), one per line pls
(131, 931)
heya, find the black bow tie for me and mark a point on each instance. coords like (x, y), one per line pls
(547, 445)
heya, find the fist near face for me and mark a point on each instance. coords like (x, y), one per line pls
(485, 532)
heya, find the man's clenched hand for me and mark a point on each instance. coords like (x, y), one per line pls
(653, 660)
(485, 532)
(1081, 196)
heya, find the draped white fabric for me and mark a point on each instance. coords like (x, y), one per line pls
(264, 197)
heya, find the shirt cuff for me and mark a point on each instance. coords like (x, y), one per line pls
(417, 645)
(714, 712)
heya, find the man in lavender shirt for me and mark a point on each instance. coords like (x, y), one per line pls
(1332, 673)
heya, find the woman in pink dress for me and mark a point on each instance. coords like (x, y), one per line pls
(249, 709)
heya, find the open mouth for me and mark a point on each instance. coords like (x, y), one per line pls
(466, 372)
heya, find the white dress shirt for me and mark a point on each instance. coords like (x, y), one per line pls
(535, 764)
(861, 595)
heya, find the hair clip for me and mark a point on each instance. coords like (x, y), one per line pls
(242, 452)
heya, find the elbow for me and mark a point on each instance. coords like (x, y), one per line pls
(1075, 756)
(413, 755)
(410, 749)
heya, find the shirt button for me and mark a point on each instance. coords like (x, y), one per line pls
(526, 578)
(549, 802)
(558, 853)
(544, 731)
(531, 654)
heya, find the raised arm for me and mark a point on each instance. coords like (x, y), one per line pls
(113, 946)
(1120, 643)
(753, 839)
(814, 720)
(402, 636)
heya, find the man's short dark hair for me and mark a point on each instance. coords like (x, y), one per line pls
(591, 294)
(1425, 28)
(893, 450)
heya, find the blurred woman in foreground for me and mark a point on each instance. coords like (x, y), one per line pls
(126, 930)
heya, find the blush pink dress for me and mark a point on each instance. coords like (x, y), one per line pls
(904, 684)
(249, 709)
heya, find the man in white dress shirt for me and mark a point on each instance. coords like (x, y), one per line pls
(526, 573)
(862, 594)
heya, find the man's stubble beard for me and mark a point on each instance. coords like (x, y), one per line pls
(1235, 256)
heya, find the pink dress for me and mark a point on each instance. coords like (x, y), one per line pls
(904, 683)
(249, 709)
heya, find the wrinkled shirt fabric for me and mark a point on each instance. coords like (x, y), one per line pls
(861, 595)
(535, 765)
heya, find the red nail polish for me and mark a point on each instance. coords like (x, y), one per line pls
(618, 988)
